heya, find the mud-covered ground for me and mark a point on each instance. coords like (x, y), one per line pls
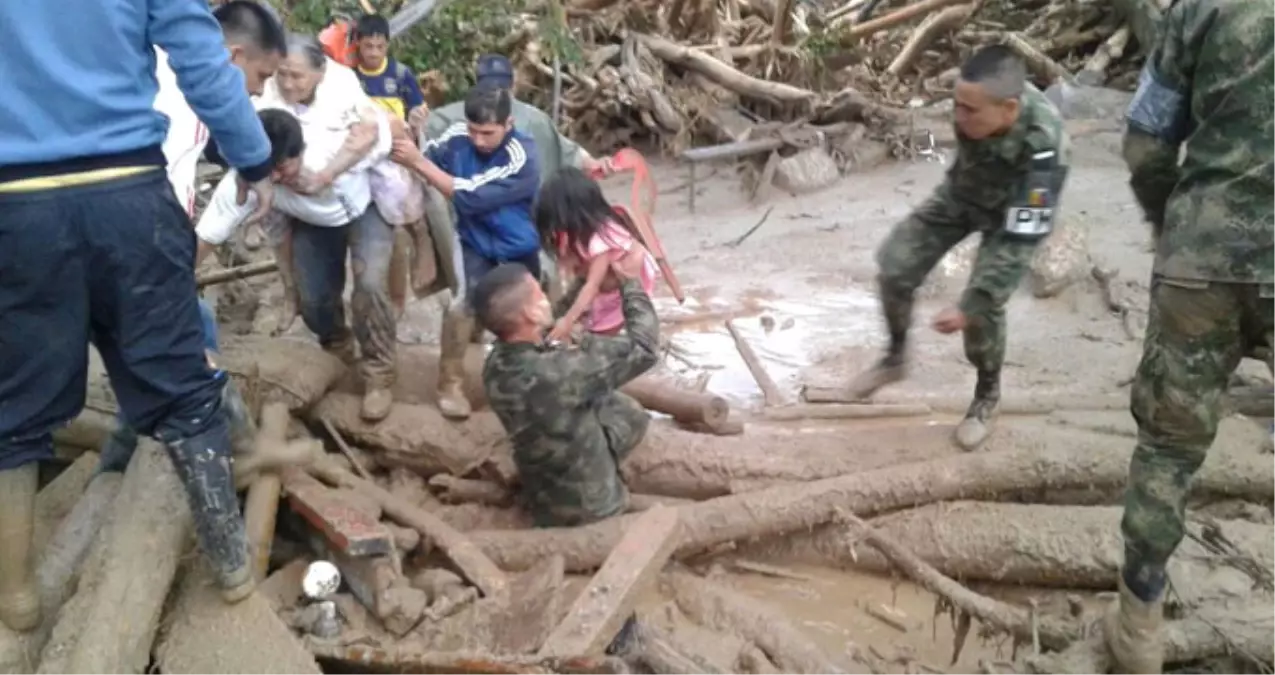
(802, 290)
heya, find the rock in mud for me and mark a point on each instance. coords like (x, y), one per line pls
(807, 171)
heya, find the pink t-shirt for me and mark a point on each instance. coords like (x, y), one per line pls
(606, 314)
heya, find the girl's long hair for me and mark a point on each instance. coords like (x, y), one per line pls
(571, 207)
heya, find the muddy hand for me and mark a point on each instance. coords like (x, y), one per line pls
(950, 321)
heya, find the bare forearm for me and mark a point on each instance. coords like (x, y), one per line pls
(437, 178)
(358, 144)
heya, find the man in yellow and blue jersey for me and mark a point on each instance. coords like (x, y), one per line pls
(391, 84)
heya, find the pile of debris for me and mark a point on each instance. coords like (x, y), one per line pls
(441, 572)
(665, 71)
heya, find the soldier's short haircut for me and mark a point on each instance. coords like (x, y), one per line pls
(487, 103)
(499, 296)
(248, 23)
(998, 69)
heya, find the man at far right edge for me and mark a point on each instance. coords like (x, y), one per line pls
(1208, 84)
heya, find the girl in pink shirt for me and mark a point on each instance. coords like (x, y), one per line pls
(576, 221)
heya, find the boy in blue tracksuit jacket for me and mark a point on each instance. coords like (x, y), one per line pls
(95, 245)
(490, 172)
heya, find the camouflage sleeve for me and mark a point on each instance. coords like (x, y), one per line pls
(602, 364)
(1158, 119)
(569, 298)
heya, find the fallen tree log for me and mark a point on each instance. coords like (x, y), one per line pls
(1023, 404)
(297, 372)
(1031, 544)
(58, 499)
(202, 634)
(414, 436)
(88, 431)
(406, 659)
(862, 30)
(148, 531)
(850, 411)
(693, 466)
(800, 507)
(682, 405)
(723, 74)
(945, 21)
(730, 611)
(1211, 631)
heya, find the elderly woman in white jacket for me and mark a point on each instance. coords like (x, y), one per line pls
(329, 210)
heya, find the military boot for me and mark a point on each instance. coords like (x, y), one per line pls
(893, 368)
(19, 599)
(458, 328)
(981, 416)
(203, 465)
(377, 402)
(1132, 629)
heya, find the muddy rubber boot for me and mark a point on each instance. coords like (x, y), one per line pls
(118, 449)
(377, 403)
(19, 599)
(1132, 629)
(203, 465)
(981, 416)
(893, 368)
(458, 327)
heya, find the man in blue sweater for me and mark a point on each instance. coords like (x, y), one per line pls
(94, 244)
(490, 171)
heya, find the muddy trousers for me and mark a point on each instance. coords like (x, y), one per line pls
(1197, 333)
(917, 244)
(319, 255)
(113, 262)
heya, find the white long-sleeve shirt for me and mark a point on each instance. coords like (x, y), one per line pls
(186, 138)
(338, 103)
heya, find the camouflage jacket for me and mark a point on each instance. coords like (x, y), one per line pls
(1208, 85)
(556, 150)
(988, 174)
(569, 425)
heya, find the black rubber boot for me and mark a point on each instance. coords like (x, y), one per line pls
(203, 465)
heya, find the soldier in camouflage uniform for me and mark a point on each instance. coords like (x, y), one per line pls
(571, 428)
(1004, 185)
(1206, 85)
(555, 150)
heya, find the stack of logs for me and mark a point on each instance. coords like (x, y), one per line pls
(442, 571)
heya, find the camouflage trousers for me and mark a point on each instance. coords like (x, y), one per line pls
(319, 255)
(1197, 333)
(918, 243)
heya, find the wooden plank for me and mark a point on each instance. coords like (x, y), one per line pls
(348, 529)
(469, 559)
(607, 602)
(533, 607)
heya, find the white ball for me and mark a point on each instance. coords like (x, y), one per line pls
(322, 579)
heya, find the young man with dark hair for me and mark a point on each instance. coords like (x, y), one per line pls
(1010, 167)
(490, 172)
(391, 84)
(96, 246)
(571, 427)
(1199, 146)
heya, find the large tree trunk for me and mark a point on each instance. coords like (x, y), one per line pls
(801, 507)
(1037, 545)
(116, 608)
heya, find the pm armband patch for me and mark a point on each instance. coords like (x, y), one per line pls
(1031, 214)
(1158, 110)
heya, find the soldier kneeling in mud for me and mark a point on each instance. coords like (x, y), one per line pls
(1004, 185)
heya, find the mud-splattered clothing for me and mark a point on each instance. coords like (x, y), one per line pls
(1208, 84)
(570, 426)
(983, 188)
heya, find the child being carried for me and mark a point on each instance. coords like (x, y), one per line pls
(588, 234)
